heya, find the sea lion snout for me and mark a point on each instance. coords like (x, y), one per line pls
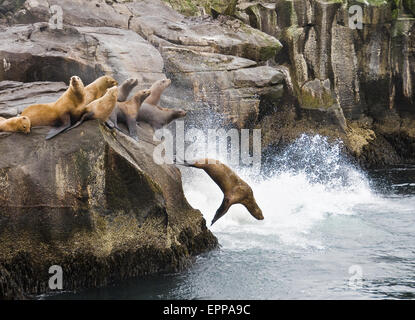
(146, 93)
(76, 81)
(180, 113)
(259, 215)
(133, 81)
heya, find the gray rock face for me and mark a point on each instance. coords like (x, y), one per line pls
(94, 202)
(229, 85)
(15, 96)
(39, 53)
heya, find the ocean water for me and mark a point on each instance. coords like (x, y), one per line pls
(331, 231)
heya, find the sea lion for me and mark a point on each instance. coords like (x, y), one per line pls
(157, 90)
(100, 109)
(15, 124)
(234, 189)
(127, 112)
(125, 88)
(98, 88)
(158, 117)
(58, 113)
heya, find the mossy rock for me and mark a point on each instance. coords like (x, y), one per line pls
(212, 7)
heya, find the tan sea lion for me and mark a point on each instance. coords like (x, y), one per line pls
(157, 90)
(151, 112)
(98, 88)
(127, 112)
(58, 113)
(15, 124)
(125, 88)
(235, 190)
(94, 91)
(100, 109)
(158, 117)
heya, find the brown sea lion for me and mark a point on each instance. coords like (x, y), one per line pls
(15, 124)
(100, 109)
(234, 189)
(127, 112)
(58, 113)
(158, 117)
(157, 90)
(125, 88)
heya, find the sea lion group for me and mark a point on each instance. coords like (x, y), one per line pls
(101, 100)
(105, 101)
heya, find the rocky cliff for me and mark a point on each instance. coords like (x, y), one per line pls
(93, 202)
(351, 84)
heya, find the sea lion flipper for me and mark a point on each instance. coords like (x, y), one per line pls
(110, 124)
(224, 207)
(85, 117)
(66, 123)
(132, 128)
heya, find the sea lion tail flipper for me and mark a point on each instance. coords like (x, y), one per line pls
(224, 207)
(54, 132)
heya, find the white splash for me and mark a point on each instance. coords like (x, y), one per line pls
(310, 181)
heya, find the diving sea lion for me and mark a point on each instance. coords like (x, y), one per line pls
(58, 113)
(157, 90)
(127, 112)
(100, 109)
(125, 88)
(234, 189)
(15, 124)
(158, 117)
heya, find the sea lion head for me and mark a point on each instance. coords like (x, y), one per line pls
(141, 95)
(179, 113)
(22, 124)
(161, 84)
(253, 207)
(131, 82)
(76, 82)
(109, 81)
